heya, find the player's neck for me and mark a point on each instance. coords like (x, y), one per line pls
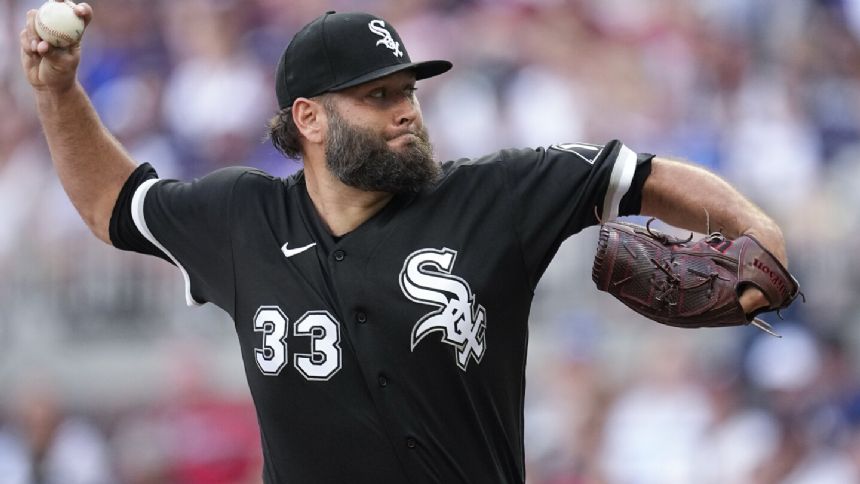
(342, 208)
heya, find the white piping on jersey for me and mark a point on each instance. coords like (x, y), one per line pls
(139, 220)
(619, 182)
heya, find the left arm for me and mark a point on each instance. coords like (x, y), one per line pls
(679, 194)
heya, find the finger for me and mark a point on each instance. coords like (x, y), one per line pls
(29, 56)
(31, 37)
(43, 48)
(31, 25)
(28, 45)
(24, 40)
(752, 299)
(84, 11)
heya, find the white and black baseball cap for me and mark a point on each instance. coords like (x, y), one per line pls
(340, 50)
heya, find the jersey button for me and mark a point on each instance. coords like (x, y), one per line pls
(361, 317)
(411, 443)
(383, 380)
(339, 255)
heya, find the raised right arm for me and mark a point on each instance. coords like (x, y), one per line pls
(91, 163)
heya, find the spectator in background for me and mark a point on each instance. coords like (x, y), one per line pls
(797, 391)
(213, 65)
(193, 436)
(740, 437)
(42, 444)
(658, 420)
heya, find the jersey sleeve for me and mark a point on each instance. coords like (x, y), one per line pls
(186, 223)
(559, 190)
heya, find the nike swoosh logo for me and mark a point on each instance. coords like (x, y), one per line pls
(291, 252)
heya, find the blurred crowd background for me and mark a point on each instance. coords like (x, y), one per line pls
(106, 376)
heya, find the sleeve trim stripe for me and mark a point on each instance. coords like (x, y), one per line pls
(139, 220)
(619, 183)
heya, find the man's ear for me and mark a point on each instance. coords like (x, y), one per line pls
(310, 118)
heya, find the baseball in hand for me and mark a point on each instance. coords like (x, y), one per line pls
(57, 23)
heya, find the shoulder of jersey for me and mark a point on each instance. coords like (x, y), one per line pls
(486, 160)
(257, 173)
(235, 172)
(245, 179)
(247, 175)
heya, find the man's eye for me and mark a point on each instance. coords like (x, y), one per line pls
(377, 94)
(410, 91)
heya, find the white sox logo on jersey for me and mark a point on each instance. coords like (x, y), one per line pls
(378, 27)
(426, 278)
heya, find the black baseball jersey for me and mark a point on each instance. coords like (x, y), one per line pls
(397, 352)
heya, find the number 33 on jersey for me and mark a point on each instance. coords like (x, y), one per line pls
(324, 359)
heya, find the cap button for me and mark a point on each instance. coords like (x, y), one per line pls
(330, 12)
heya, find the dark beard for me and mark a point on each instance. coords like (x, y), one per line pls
(362, 159)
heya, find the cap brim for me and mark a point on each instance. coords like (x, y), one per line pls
(423, 70)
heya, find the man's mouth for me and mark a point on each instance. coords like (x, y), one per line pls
(404, 139)
(407, 136)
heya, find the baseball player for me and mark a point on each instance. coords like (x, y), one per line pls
(380, 298)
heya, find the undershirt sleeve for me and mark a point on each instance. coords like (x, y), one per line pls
(124, 234)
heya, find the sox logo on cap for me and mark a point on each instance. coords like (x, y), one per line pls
(378, 27)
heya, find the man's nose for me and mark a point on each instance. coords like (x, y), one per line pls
(407, 111)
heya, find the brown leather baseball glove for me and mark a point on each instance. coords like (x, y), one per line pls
(686, 283)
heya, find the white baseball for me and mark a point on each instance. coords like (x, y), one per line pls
(58, 24)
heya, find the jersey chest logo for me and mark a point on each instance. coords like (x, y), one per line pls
(426, 278)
